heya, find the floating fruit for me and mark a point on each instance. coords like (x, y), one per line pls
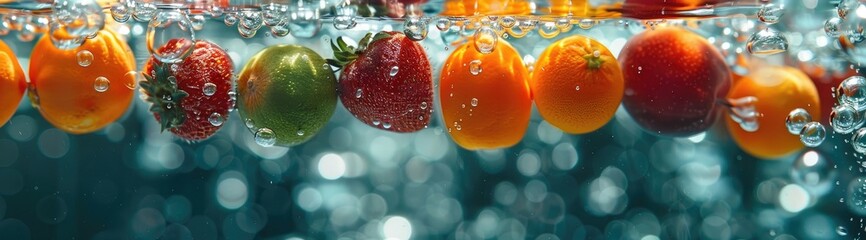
(190, 98)
(83, 89)
(487, 7)
(386, 82)
(662, 8)
(779, 90)
(485, 98)
(286, 94)
(577, 84)
(674, 80)
(12, 83)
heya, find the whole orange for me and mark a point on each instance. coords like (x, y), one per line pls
(84, 89)
(12, 83)
(485, 98)
(577, 84)
(778, 90)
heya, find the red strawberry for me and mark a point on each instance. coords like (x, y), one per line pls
(190, 98)
(386, 82)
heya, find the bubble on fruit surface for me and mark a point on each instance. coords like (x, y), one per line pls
(304, 21)
(394, 71)
(376, 122)
(358, 93)
(767, 42)
(858, 141)
(474, 102)
(120, 13)
(143, 11)
(386, 125)
(845, 119)
(831, 27)
(415, 28)
(170, 37)
(856, 199)
(216, 119)
(813, 134)
(423, 105)
(852, 92)
(813, 171)
(209, 89)
(443, 24)
(841, 231)
(845, 7)
(197, 21)
(266, 137)
(230, 19)
(249, 123)
(101, 84)
(300, 132)
(85, 58)
(71, 22)
(796, 120)
(475, 67)
(770, 13)
(485, 40)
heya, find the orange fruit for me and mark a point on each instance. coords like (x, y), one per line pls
(488, 7)
(577, 84)
(778, 90)
(485, 98)
(12, 83)
(80, 98)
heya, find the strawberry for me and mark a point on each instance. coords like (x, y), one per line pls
(190, 98)
(386, 81)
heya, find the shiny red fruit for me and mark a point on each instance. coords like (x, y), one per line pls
(674, 81)
(191, 98)
(388, 83)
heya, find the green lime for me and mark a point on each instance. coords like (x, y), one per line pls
(286, 94)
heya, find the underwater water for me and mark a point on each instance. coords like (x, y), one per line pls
(508, 119)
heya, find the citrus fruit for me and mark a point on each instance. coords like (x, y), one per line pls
(485, 98)
(83, 89)
(674, 80)
(577, 84)
(778, 90)
(488, 7)
(12, 83)
(286, 94)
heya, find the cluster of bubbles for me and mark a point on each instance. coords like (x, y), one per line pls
(848, 28)
(799, 122)
(847, 115)
(768, 41)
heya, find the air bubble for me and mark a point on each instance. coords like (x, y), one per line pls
(586, 24)
(358, 93)
(120, 13)
(386, 125)
(767, 42)
(813, 134)
(394, 71)
(85, 58)
(796, 120)
(170, 37)
(852, 91)
(300, 133)
(475, 67)
(841, 231)
(216, 119)
(423, 105)
(485, 40)
(474, 102)
(101, 84)
(845, 119)
(415, 28)
(209, 89)
(266, 137)
(230, 19)
(770, 13)
(831, 27)
(443, 24)
(858, 141)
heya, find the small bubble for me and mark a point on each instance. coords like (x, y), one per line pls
(767, 42)
(858, 141)
(845, 119)
(394, 71)
(358, 93)
(216, 119)
(852, 91)
(443, 24)
(596, 53)
(101, 84)
(249, 123)
(796, 120)
(386, 125)
(831, 27)
(507, 22)
(770, 13)
(376, 122)
(474, 102)
(586, 24)
(300, 132)
(415, 28)
(485, 40)
(577, 88)
(209, 89)
(266, 137)
(813, 134)
(423, 105)
(85, 58)
(475, 67)
(841, 230)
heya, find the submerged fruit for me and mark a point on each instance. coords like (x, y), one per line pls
(485, 98)
(12, 83)
(674, 80)
(388, 83)
(286, 94)
(778, 90)
(577, 84)
(83, 89)
(190, 98)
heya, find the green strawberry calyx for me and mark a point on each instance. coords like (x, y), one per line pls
(345, 54)
(164, 95)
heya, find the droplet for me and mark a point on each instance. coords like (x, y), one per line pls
(266, 137)
(85, 58)
(858, 141)
(101, 84)
(586, 24)
(485, 40)
(841, 231)
(170, 37)
(415, 28)
(813, 134)
(474, 102)
(845, 119)
(475, 67)
(376, 122)
(443, 24)
(300, 133)
(831, 27)
(770, 13)
(216, 119)
(120, 12)
(249, 123)
(767, 42)
(423, 105)
(507, 22)
(230, 19)
(209, 89)
(358, 93)
(394, 71)
(797, 119)
(386, 125)
(852, 92)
